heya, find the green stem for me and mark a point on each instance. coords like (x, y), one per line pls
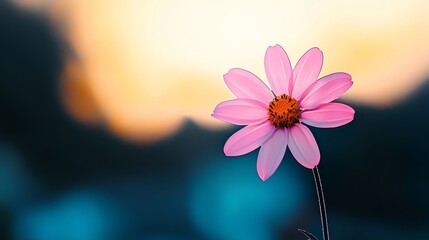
(322, 206)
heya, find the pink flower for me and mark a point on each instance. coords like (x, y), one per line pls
(275, 118)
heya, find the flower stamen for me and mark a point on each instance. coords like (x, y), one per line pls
(284, 111)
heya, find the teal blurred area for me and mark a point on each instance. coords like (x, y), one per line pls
(77, 215)
(60, 180)
(227, 199)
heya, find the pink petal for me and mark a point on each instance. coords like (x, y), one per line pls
(271, 154)
(303, 146)
(244, 84)
(326, 89)
(248, 139)
(328, 115)
(306, 71)
(241, 111)
(278, 70)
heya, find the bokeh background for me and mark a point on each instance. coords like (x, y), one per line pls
(106, 134)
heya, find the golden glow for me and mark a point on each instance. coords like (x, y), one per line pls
(151, 63)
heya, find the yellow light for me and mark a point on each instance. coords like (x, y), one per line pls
(151, 63)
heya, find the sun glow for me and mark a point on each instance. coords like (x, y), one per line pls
(149, 64)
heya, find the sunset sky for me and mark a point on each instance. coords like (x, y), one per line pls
(141, 67)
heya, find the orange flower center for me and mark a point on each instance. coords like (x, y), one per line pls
(284, 111)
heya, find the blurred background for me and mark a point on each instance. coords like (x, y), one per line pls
(106, 134)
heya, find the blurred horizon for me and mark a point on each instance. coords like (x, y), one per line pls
(141, 67)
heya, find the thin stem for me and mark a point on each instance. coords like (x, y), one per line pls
(322, 206)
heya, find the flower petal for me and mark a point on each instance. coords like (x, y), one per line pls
(306, 71)
(278, 70)
(241, 111)
(271, 154)
(303, 146)
(244, 84)
(248, 139)
(326, 89)
(328, 115)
